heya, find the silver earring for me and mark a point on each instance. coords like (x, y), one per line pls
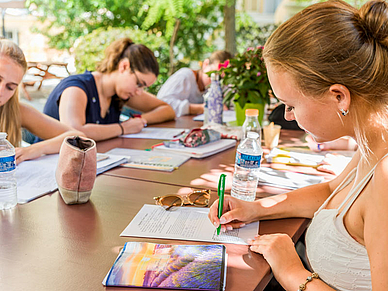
(344, 112)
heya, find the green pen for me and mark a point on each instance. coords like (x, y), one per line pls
(221, 191)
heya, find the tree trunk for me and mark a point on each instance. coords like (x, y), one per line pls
(230, 26)
(172, 42)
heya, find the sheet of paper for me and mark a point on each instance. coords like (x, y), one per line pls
(184, 223)
(36, 178)
(287, 180)
(158, 133)
(227, 116)
(33, 183)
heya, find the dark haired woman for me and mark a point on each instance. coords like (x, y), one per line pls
(92, 101)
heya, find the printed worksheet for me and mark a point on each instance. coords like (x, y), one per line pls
(184, 223)
(158, 133)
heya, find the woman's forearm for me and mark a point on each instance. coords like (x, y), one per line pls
(159, 114)
(298, 203)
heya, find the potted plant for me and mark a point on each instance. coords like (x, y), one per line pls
(246, 80)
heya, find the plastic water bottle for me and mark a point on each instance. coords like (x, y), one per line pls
(247, 167)
(251, 123)
(8, 194)
(214, 100)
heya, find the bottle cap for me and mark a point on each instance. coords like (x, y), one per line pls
(252, 112)
(252, 134)
(3, 135)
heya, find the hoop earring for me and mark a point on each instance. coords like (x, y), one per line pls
(344, 112)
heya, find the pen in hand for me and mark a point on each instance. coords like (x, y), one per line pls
(221, 192)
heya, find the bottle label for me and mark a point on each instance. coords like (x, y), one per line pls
(7, 164)
(248, 161)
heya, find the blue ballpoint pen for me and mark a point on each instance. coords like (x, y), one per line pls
(221, 192)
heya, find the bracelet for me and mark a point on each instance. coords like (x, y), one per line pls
(122, 128)
(302, 287)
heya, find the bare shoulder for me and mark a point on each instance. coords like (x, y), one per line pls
(376, 202)
(380, 177)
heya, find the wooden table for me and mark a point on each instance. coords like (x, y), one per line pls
(48, 245)
(198, 173)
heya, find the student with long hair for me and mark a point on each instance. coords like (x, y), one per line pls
(92, 101)
(328, 65)
(14, 115)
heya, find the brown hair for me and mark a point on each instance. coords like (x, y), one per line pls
(10, 121)
(219, 56)
(140, 57)
(334, 43)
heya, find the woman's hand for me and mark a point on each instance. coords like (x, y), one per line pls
(27, 153)
(279, 251)
(236, 213)
(134, 125)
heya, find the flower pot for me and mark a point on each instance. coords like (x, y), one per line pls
(240, 112)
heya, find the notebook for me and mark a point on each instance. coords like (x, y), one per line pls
(185, 267)
(200, 151)
(159, 161)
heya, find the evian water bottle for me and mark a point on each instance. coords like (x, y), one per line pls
(247, 167)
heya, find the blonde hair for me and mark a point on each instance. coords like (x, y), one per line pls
(334, 43)
(10, 121)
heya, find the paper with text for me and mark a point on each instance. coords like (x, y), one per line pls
(36, 177)
(158, 133)
(184, 223)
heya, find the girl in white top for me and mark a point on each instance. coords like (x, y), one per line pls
(328, 64)
(184, 89)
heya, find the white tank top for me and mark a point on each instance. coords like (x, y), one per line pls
(339, 259)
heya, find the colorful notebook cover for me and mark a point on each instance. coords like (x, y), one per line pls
(185, 267)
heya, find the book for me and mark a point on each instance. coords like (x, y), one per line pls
(200, 151)
(185, 267)
(149, 160)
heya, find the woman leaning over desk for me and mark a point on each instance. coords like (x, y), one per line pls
(92, 101)
(15, 115)
(328, 64)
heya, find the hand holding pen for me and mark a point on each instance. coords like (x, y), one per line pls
(134, 125)
(235, 213)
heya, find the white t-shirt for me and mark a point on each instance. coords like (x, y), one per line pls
(180, 90)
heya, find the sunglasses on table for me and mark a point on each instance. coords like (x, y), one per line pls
(196, 198)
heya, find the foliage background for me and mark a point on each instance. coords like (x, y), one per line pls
(89, 49)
